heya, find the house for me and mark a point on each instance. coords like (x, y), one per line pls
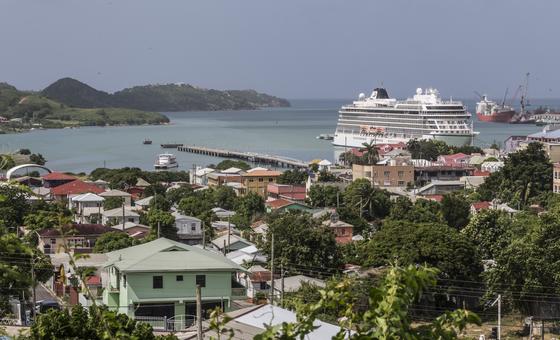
(227, 243)
(291, 284)
(342, 231)
(455, 160)
(285, 205)
(134, 230)
(324, 165)
(78, 238)
(426, 173)
(199, 176)
(556, 178)
(287, 191)
(55, 179)
(142, 183)
(143, 204)
(189, 229)
(158, 280)
(115, 216)
(88, 207)
(478, 206)
(257, 181)
(389, 175)
(491, 166)
(252, 321)
(223, 213)
(255, 281)
(247, 255)
(66, 191)
(258, 232)
(215, 179)
(222, 225)
(101, 184)
(440, 188)
(124, 196)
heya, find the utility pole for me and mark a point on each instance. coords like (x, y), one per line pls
(33, 311)
(228, 233)
(198, 313)
(272, 272)
(282, 285)
(158, 229)
(203, 236)
(123, 200)
(499, 301)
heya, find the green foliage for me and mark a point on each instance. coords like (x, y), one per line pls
(112, 203)
(388, 315)
(526, 174)
(37, 159)
(224, 197)
(366, 201)
(431, 149)
(301, 240)
(126, 177)
(456, 210)
(324, 196)
(434, 244)
(422, 211)
(114, 240)
(231, 163)
(95, 324)
(13, 205)
(175, 195)
(327, 177)
(6, 162)
(195, 205)
(489, 231)
(15, 266)
(166, 223)
(292, 177)
(160, 202)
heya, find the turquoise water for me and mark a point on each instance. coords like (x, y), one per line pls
(281, 131)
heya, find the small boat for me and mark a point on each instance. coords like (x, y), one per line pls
(166, 161)
(147, 141)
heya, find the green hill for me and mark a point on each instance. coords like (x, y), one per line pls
(168, 97)
(33, 109)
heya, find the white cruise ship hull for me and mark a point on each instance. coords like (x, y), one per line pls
(357, 141)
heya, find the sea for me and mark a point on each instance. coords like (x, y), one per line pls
(289, 132)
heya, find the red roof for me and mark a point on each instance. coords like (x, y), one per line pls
(58, 176)
(93, 280)
(436, 198)
(75, 188)
(481, 173)
(481, 205)
(279, 203)
(275, 188)
(298, 196)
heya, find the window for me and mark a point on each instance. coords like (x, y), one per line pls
(271, 179)
(179, 278)
(401, 174)
(251, 180)
(157, 282)
(193, 227)
(368, 174)
(263, 286)
(261, 179)
(53, 240)
(201, 280)
(401, 183)
(386, 173)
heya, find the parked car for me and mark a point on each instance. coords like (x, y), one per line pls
(44, 306)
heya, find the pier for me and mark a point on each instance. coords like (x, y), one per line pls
(278, 161)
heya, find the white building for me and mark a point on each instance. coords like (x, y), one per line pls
(117, 193)
(115, 216)
(88, 207)
(491, 166)
(189, 229)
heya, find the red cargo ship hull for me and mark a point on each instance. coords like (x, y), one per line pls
(499, 117)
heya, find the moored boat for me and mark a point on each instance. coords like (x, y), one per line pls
(166, 161)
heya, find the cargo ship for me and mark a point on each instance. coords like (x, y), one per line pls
(489, 111)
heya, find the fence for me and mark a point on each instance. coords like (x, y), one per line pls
(157, 322)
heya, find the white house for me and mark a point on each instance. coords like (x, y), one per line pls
(223, 213)
(491, 166)
(144, 203)
(189, 229)
(201, 176)
(115, 216)
(88, 207)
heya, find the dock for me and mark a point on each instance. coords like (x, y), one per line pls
(278, 161)
(170, 145)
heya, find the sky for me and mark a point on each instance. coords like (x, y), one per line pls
(289, 48)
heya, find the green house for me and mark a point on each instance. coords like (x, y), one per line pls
(159, 278)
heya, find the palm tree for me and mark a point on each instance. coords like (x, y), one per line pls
(371, 154)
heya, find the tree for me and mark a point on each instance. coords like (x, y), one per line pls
(114, 240)
(13, 205)
(300, 240)
(325, 177)
(489, 231)
(526, 174)
(230, 163)
(292, 177)
(164, 221)
(422, 211)
(434, 244)
(37, 159)
(324, 196)
(250, 204)
(456, 210)
(194, 205)
(96, 323)
(367, 201)
(371, 153)
(224, 197)
(112, 203)
(160, 202)
(388, 315)
(177, 194)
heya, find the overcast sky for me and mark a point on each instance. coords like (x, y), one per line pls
(289, 48)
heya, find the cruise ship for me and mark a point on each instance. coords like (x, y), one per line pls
(166, 161)
(383, 120)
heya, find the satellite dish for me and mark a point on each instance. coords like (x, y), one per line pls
(419, 90)
(362, 95)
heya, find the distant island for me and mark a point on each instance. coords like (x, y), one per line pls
(161, 98)
(68, 102)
